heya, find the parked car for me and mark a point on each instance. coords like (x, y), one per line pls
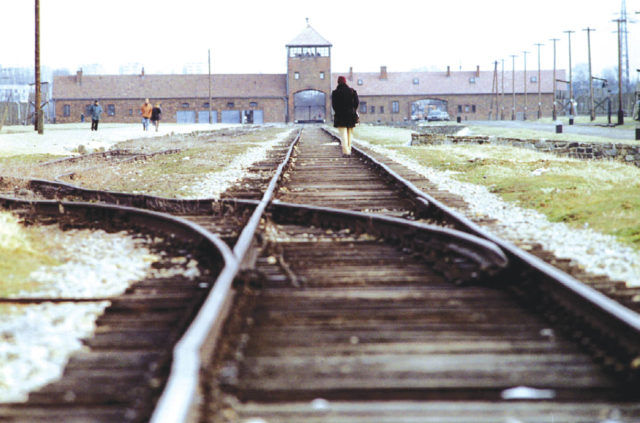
(437, 115)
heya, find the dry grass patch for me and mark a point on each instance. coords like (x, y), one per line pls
(602, 195)
(172, 175)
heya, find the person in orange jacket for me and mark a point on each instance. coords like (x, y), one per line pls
(146, 111)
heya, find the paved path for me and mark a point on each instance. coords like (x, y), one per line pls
(578, 129)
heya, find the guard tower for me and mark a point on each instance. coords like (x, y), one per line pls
(308, 77)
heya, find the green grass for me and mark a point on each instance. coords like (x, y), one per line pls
(602, 195)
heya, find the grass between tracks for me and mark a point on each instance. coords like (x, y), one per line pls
(22, 250)
(173, 175)
(602, 195)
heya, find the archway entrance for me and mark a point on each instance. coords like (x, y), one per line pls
(309, 106)
(420, 108)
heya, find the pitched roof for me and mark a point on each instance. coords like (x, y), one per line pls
(309, 37)
(438, 83)
(169, 86)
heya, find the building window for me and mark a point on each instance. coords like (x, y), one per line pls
(321, 75)
(416, 81)
(533, 79)
(381, 109)
(472, 80)
(66, 110)
(373, 109)
(185, 105)
(466, 108)
(459, 108)
(363, 107)
(130, 112)
(230, 104)
(395, 107)
(309, 52)
(360, 82)
(473, 108)
(205, 105)
(111, 109)
(296, 75)
(253, 104)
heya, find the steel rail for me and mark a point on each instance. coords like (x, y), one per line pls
(488, 257)
(178, 397)
(58, 190)
(584, 302)
(186, 363)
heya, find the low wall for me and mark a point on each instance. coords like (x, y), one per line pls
(627, 153)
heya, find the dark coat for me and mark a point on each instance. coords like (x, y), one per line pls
(344, 101)
(155, 113)
(96, 111)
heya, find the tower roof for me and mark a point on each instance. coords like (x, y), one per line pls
(309, 37)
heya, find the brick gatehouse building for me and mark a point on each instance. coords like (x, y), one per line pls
(303, 94)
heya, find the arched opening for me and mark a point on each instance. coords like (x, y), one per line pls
(309, 106)
(421, 108)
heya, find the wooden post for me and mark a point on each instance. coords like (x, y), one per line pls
(554, 112)
(513, 86)
(210, 120)
(39, 121)
(571, 110)
(539, 88)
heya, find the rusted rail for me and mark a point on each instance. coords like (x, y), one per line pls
(334, 311)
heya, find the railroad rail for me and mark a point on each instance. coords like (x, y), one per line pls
(394, 307)
(124, 368)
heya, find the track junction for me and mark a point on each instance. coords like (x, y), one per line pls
(335, 289)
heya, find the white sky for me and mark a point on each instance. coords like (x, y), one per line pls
(249, 36)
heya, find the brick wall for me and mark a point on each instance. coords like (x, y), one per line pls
(308, 69)
(128, 111)
(482, 105)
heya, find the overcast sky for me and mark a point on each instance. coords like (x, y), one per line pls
(249, 36)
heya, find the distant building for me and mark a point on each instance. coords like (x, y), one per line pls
(16, 93)
(131, 68)
(194, 68)
(303, 94)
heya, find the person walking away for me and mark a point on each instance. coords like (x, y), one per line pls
(146, 110)
(155, 115)
(344, 101)
(96, 111)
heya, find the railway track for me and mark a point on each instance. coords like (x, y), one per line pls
(121, 372)
(351, 316)
(347, 315)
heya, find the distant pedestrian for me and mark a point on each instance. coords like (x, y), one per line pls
(96, 111)
(146, 110)
(156, 112)
(344, 101)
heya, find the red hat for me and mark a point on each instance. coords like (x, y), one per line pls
(342, 80)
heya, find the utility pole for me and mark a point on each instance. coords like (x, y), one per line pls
(209, 54)
(539, 90)
(620, 111)
(592, 111)
(494, 91)
(513, 86)
(571, 110)
(554, 112)
(524, 112)
(39, 118)
(502, 95)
